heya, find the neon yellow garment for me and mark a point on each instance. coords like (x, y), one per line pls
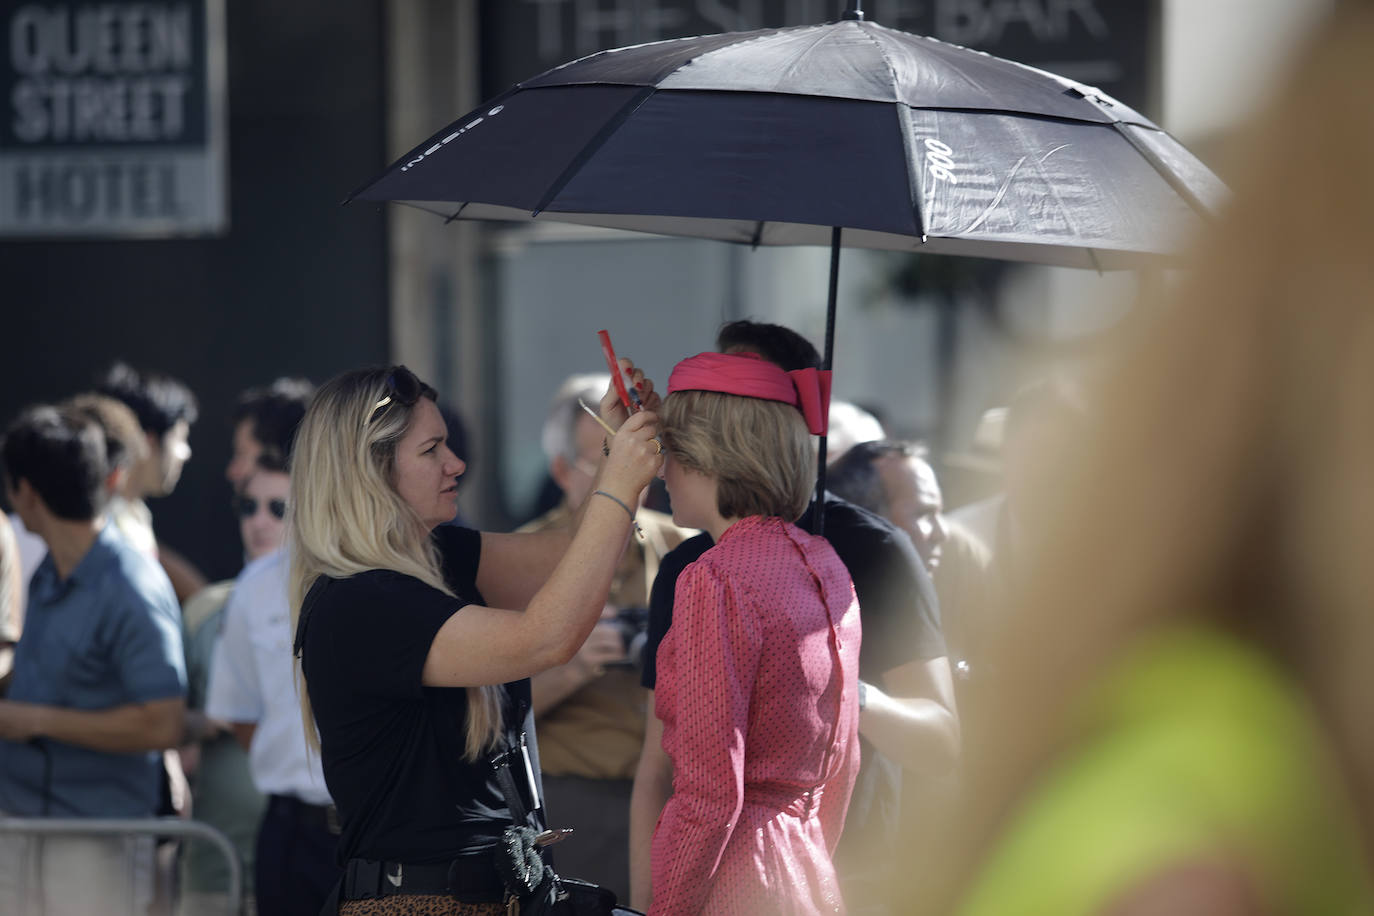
(1195, 747)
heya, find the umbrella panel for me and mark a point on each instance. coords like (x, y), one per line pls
(753, 157)
(851, 60)
(1193, 179)
(838, 61)
(929, 73)
(1007, 178)
(637, 65)
(510, 151)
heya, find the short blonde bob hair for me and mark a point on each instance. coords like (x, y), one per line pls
(758, 451)
(345, 516)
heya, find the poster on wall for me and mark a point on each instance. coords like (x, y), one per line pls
(114, 122)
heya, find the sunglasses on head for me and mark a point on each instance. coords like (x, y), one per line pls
(247, 507)
(402, 387)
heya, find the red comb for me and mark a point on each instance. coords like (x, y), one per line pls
(617, 374)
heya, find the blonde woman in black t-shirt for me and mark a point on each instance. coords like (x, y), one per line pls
(415, 650)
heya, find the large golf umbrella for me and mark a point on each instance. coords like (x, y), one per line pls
(845, 133)
(774, 137)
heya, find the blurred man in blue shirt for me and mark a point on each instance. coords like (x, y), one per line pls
(99, 678)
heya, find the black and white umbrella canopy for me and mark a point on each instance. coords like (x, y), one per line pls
(775, 137)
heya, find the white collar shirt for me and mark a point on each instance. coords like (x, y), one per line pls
(252, 679)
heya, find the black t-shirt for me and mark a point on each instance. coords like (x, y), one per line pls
(901, 624)
(897, 604)
(392, 749)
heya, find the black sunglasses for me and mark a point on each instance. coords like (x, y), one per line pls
(247, 507)
(402, 387)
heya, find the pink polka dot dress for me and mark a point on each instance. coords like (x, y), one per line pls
(757, 690)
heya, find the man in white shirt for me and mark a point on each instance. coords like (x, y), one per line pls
(252, 686)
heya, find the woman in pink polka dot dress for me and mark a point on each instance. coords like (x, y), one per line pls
(758, 675)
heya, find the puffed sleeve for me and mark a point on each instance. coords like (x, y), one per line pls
(716, 645)
(661, 597)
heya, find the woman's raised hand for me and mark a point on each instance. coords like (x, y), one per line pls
(612, 410)
(634, 459)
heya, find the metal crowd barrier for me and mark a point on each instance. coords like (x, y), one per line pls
(143, 826)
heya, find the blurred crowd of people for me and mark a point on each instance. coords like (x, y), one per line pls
(229, 749)
(108, 624)
(1133, 679)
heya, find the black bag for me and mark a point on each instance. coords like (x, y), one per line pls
(524, 867)
(582, 898)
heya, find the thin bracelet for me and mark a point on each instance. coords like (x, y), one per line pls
(616, 499)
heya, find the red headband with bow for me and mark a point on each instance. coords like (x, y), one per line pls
(750, 375)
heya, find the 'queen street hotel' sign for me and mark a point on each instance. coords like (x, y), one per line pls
(113, 121)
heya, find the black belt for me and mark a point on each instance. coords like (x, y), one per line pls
(320, 817)
(470, 879)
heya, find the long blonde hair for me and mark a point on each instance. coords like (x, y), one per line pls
(1227, 476)
(346, 516)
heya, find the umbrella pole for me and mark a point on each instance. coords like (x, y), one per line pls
(818, 519)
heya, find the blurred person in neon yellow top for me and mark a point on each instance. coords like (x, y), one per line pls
(1179, 718)
(1199, 771)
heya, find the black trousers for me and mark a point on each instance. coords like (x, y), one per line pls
(598, 810)
(296, 867)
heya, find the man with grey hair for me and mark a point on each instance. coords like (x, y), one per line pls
(571, 439)
(893, 479)
(591, 710)
(849, 425)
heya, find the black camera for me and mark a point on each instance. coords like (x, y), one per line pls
(633, 624)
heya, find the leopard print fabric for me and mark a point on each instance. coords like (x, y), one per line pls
(418, 905)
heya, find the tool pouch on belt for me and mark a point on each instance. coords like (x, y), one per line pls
(534, 888)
